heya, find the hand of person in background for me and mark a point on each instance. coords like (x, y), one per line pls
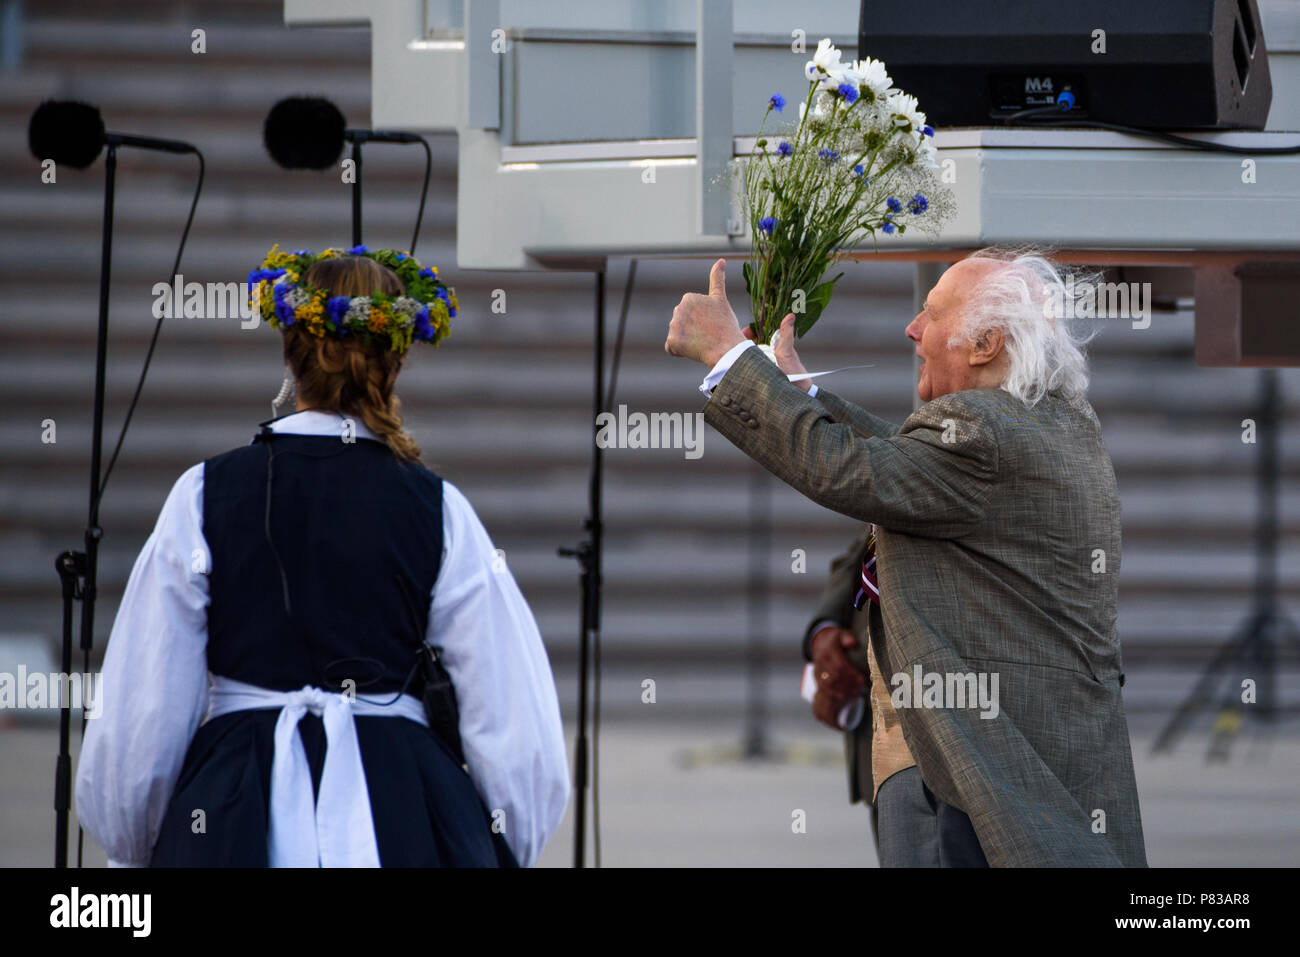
(839, 681)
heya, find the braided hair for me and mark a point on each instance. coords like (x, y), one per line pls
(344, 375)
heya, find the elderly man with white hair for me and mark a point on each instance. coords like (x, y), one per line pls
(990, 571)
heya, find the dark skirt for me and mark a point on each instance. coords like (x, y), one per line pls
(425, 808)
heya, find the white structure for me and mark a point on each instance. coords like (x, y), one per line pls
(590, 128)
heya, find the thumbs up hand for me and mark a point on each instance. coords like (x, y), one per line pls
(703, 327)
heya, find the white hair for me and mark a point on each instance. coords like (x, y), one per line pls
(1028, 301)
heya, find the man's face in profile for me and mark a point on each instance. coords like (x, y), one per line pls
(946, 368)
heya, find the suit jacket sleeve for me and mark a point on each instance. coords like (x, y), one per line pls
(836, 602)
(860, 420)
(933, 477)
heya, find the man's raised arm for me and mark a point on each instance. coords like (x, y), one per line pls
(932, 477)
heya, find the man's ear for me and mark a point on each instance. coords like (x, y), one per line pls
(988, 346)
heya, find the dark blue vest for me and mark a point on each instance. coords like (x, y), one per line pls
(335, 584)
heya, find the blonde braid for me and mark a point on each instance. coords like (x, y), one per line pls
(381, 408)
(343, 374)
(352, 380)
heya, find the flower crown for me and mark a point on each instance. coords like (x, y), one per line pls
(423, 314)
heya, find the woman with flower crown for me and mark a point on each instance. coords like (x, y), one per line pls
(320, 658)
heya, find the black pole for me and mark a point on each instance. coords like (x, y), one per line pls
(760, 548)
(1270, 423)
(592, 570)
(69, 565)
(93, 531)
(72, 565)
(588, 555)
(356, 193)
(1266, 473)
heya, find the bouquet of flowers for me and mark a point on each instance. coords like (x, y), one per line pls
(860, 159)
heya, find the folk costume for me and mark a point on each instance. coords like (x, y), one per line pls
(265, 681)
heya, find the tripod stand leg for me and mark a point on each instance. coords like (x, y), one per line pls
(1200, 694)
(1226, 727)
(1258, 663)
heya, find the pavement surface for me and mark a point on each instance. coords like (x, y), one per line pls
(681, 795)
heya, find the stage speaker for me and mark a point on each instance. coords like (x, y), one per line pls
(1159, 64)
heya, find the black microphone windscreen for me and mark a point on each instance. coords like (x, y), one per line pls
(68, 132)
(304, 132)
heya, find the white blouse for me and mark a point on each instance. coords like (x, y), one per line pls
(155, 681)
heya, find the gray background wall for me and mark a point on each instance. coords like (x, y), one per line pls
(503, 409)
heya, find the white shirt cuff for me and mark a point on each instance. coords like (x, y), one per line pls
(718, 371)
(824, 623)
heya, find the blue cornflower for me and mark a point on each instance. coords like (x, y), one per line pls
(894, 205)
(283, 311)
(888, 227)
(423, 328)
(785, 149)
(848, 91)
(918, 205)
(336, 308)
(257, 275)
(828, 156)
(401, 256)
(358, 251)
(426, 272)
(767, 224)
(858, 169)
(777, 102)
(928, 130)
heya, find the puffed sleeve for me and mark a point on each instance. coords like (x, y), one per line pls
(509, 712)
(154, 686)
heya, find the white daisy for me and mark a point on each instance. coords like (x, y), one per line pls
(874, 76)
(907, 116)
(826, 60)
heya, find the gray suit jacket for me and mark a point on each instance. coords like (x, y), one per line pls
(998, 542)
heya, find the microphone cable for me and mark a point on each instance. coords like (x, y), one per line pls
(424, 192)
(153, 342)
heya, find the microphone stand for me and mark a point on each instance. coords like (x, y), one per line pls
(356, 138)
(356, 193)
(78, 570)
(588, 554)
(1253, 648)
